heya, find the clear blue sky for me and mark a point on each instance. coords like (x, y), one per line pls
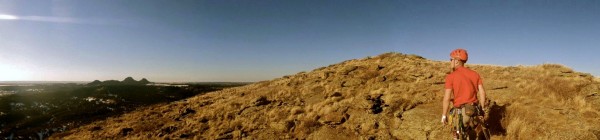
(253, 40)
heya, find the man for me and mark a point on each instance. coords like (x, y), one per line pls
(463, 83)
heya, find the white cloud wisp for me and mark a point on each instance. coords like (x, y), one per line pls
(56, 19)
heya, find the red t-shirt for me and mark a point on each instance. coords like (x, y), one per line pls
(464, 84)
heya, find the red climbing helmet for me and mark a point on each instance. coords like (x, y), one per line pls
(459, 54)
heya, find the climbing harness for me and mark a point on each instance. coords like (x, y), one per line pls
(465, 119)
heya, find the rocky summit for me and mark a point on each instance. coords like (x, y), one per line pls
(390, 96)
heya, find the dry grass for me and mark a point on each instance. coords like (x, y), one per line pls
(390, 96)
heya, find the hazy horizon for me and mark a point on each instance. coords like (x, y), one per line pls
(63, 81)
(249, 41)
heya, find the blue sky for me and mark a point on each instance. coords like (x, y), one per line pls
(242, 40)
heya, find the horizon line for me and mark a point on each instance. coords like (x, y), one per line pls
(33, 81)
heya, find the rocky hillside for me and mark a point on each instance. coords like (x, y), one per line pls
(390, 96)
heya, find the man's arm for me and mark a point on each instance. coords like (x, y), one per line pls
(445, 103)
(481, 92)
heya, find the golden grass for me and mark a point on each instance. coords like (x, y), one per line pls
(390, 96)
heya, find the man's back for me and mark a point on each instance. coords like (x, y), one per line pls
(464, 83)
(467, 87)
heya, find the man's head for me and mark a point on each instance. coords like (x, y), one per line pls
(458, 57)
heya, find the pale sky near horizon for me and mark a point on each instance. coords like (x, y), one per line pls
(255, 40)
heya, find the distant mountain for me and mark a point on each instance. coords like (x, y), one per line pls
(144, 81)
(390, 96)
(126, 81)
